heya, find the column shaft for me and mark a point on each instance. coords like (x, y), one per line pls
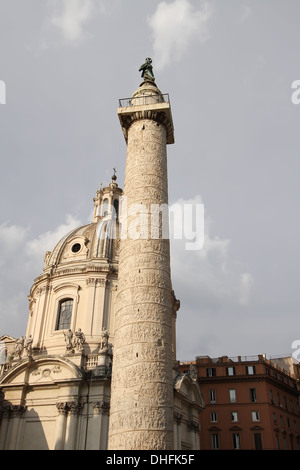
(142, 381)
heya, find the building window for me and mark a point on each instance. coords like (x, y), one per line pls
(277, 441)
(250, 370)
(253, 395)
(116, 208)
(105, 208)
(236, 440)
(232, 396)
(274, 417)
(212, 396)
(211, 372)
(281, 420)
(278, 399)
(258, 441)
(214, 441)
(76, 248)
(234, 416)
(284, 443)
(64, 314)
(255, 416)
(213, 417)
(271, 397)
(230, 371)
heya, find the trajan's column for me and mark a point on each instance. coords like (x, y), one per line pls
(141, 409)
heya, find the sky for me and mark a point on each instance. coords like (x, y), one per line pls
(229, 67)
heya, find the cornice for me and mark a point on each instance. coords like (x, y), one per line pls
(250, 378)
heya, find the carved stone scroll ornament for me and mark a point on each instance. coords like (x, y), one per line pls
(62, 408)
(101, 407)
(74, 407)
(17, 410)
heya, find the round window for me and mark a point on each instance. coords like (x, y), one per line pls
(76, 247)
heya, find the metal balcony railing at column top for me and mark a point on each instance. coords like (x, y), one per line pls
(142, 100)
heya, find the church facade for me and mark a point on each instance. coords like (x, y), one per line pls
(97, 368)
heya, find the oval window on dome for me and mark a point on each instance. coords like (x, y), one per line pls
(76, 247)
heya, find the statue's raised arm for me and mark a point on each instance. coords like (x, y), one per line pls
(147, 70)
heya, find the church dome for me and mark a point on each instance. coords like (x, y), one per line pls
(98, 240)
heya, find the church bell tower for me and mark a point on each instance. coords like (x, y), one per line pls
(141, 409)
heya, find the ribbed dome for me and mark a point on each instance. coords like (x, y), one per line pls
(87, 242)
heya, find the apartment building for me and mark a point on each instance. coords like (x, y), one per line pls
(250, 403)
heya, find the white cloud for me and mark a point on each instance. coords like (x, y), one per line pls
(71, 17)
(21, 261)
(37, 247)
(210, 274)
(246, 13)
(11, 238)
(215, 291)
(174, 26)
(246, 283)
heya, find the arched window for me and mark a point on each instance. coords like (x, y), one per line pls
(64, 314)
(116, 208)
(105, 207)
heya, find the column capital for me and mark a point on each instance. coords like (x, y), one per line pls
(101, 407)
(178, 417)
(62, 408)
(74, 407)
(193, 426)
(17, 410)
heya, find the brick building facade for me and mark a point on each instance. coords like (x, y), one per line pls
(250, 403)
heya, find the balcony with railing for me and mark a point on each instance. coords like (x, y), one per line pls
(144, 100)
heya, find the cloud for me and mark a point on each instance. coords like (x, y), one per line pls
(246, 283)
(218, 277)
(36, 248)
(214, 289)
(11, 236)
(174, 26)
(71, 17)
(246, 13)
(21, 261)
